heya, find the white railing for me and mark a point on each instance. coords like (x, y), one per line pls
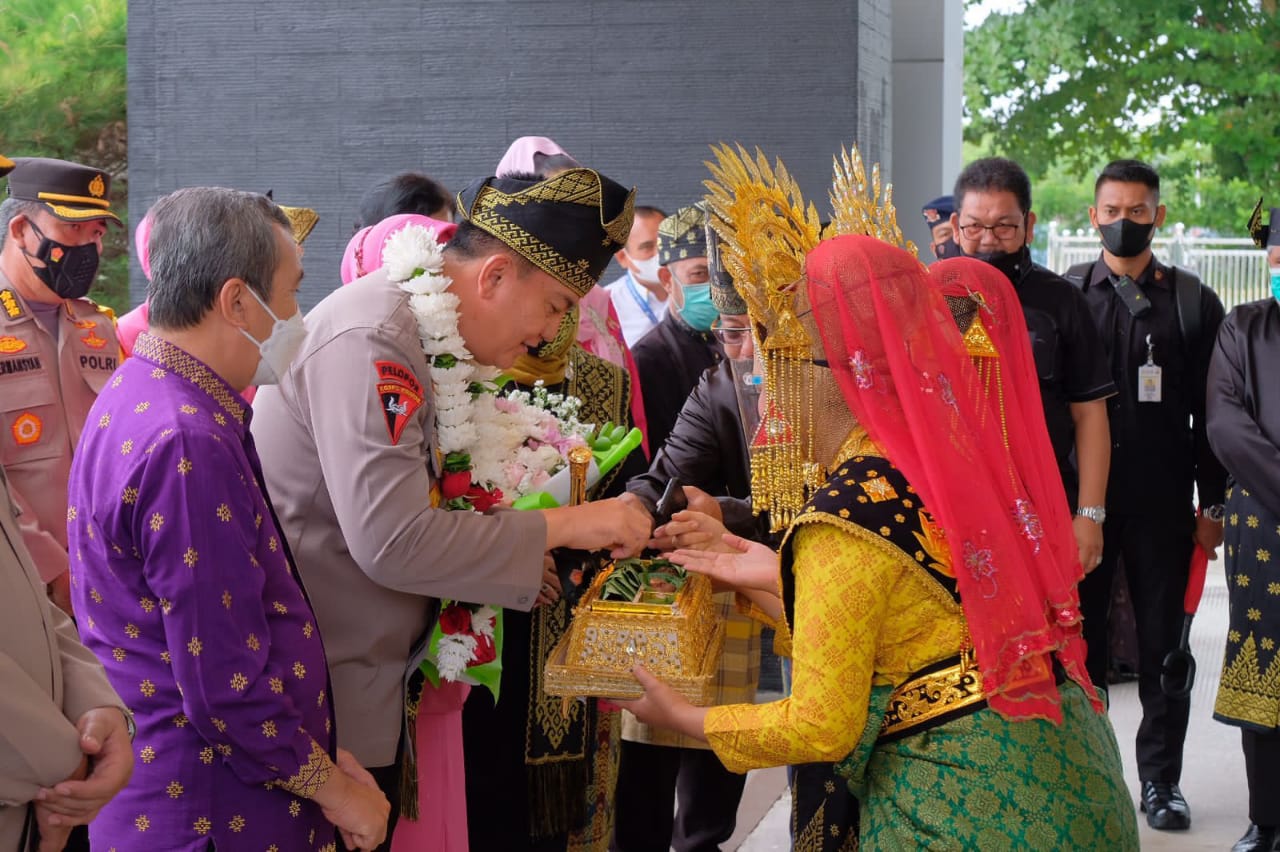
(1233, 267)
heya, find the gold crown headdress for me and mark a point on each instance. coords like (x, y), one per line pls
(767, 229)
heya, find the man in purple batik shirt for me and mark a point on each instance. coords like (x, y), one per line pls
(184, 585)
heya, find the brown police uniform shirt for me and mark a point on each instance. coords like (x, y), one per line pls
(46, 389)
(49, 681)
(347, 446)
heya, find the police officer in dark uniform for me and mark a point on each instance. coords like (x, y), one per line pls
(937, 215)
(1158, 325)
(57, 347)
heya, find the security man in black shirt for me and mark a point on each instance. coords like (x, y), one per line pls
(993, 222)
(1158, 325)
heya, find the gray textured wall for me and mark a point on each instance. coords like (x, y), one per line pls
(318, 99)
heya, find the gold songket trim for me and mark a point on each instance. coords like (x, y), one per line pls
(192, 369)
(311, 775)
(933, 697)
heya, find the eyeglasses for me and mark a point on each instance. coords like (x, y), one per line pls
(1003, 231)
(733, 336)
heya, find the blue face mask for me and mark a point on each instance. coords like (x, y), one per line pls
(1275, 282)
(698, 310)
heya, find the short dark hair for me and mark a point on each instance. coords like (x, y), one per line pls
(472, 243)
(203, 236)
(1128, 171)
(13, 207)
(406, 192)
(649, 210)
(994, 174)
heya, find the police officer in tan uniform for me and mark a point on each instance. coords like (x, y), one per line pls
(347, 443)
(57, 348)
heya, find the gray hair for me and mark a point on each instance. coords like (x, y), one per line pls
(11, 207)
(200, 238)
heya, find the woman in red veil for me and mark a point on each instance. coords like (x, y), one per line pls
(927, 588)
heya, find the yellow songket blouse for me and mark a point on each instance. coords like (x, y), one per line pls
(866, 614)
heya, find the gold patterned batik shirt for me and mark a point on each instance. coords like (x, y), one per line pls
(185, 591)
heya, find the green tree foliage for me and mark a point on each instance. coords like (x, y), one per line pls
(63, 94)
(1080, 82)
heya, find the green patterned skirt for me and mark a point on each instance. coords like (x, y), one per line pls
(983, 782)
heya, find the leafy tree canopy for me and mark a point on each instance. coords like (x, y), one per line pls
(1080, 82)
(63, 94)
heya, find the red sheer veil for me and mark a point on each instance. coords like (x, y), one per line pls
(972, 442)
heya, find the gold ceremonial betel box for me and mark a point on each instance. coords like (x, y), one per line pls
(676, 635)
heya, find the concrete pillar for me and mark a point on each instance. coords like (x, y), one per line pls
(928, 81)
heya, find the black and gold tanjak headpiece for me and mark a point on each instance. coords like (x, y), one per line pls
(766, 230)
(683, 234)
(1265, 234)
(569, 226)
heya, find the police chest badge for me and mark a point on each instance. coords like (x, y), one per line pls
(399, 393)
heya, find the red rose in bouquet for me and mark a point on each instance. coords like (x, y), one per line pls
(455, 484)
(482, 499)
(455, 618)
(485, 651)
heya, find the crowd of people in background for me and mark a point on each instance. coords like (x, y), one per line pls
(227, 536)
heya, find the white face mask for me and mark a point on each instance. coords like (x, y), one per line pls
(645, 270)
(280, 347)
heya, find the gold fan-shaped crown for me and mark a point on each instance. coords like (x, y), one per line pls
(857, 208)
(767, 230)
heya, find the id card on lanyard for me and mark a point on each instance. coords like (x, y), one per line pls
(1149, 377)
(640, 300)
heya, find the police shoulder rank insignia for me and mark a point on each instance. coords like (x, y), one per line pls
(93, 341)
(10, 304)
(399, 393)
(27, 429)
(10, 345)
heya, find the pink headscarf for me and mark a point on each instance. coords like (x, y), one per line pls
(364, 251)
(129, 326)
(520, 157)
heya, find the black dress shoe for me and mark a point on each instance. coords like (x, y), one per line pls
(1256, 839)
(1164, 806)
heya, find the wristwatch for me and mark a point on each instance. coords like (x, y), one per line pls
(1216, 512)
(1097, 514)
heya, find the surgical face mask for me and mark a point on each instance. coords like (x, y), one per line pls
(68, 271)
(698, 310)
(280, 347)
(645, 270)
(1126, 238)
(1275, 282)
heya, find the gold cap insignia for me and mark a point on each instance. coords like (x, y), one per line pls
(97, 187)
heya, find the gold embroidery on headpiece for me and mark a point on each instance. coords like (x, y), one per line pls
(767, 230)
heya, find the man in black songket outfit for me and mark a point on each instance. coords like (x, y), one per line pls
(1244, 429)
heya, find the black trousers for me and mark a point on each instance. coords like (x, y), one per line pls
(649, 776)
(388, 778)
(1262, 768)
(1156, 550)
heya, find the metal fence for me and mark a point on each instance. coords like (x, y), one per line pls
(1234, 268)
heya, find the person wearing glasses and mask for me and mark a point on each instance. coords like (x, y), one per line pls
(994, 223)
(57, 347)
(706, 450)
(672, 356)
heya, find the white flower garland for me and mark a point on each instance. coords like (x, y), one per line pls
(514, 443)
